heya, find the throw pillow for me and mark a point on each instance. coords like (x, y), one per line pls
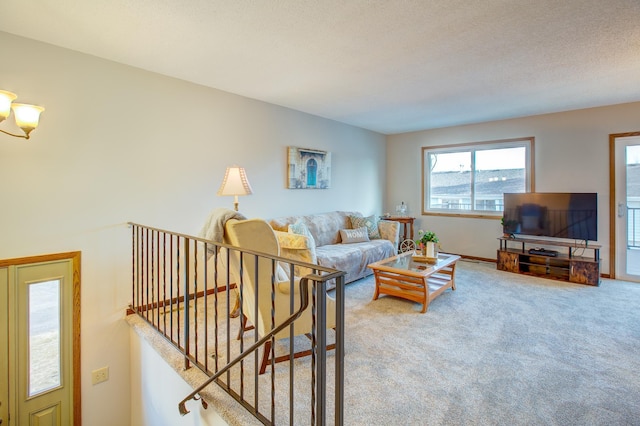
(371, 223)
(354, 235)
(301, 229)
(289, 240)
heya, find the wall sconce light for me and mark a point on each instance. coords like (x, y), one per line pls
(235, 183)
(27, 116)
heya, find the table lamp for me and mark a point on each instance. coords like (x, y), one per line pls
(235, 183)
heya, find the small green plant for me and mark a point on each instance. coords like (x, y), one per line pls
(509, 226)
(427, 237)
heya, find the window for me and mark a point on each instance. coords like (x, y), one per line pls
(470, 179)
(44, 336)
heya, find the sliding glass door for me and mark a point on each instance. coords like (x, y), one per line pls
(626, 214)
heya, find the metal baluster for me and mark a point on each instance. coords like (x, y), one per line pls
(187, 364)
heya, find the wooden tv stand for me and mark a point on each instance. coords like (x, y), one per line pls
(565, 266)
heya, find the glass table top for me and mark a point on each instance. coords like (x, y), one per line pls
(405, 261)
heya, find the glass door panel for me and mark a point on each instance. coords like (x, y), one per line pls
(625, 210)
(44, 351)
(632, 154)
(43, 324)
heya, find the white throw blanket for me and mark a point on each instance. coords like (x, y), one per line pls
(213, 228)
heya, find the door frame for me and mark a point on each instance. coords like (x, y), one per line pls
(613, 265)
(75, 258)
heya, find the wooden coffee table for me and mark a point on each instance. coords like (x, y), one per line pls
(420, 282)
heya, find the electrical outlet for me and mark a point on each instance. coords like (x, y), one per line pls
(100, 375)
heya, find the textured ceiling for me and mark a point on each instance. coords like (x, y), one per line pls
(388, 66)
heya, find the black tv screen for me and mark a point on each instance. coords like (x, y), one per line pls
(552, 214)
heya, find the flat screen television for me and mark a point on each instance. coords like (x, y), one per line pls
(552, 214)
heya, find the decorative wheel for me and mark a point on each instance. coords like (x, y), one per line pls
(407, 245)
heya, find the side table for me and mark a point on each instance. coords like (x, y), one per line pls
(405, 221)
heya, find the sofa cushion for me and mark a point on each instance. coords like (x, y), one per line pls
(349, 236)
(354, 258)
(370, 222)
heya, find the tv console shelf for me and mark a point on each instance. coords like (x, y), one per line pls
(565, 266)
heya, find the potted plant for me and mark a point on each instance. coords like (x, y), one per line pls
(427, 242)
(509, 227)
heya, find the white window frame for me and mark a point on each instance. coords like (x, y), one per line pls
(526, 142)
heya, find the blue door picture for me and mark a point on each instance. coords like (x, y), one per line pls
(312, 169)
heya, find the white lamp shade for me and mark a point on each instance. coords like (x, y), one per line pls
(235, 182)
(5, 103)
(27, 116)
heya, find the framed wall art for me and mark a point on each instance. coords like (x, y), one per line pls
(308, 168)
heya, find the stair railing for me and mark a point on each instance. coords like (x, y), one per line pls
(182, 287)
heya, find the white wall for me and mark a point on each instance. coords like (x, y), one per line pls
(150, 372)
(571, 155)
(119, 144)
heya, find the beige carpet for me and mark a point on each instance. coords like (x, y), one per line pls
(502, 349)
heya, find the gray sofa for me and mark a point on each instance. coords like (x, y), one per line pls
(323, 245)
